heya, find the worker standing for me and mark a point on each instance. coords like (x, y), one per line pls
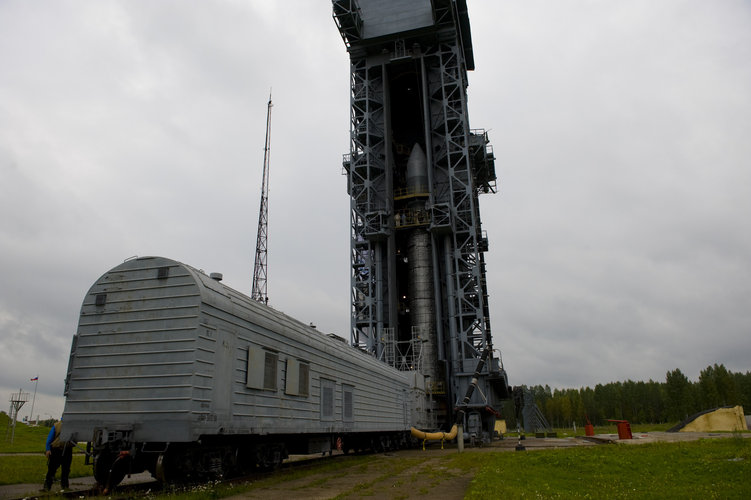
(59, 454)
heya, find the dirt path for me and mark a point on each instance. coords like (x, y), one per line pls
(387, 476)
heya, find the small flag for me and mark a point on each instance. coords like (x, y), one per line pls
(35, 379)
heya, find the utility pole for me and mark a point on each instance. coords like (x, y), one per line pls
(36, 383)
(260, 269)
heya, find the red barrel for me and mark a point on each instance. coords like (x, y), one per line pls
(624, 429)
(589, 430)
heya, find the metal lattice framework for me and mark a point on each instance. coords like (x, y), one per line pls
(348, 19)
(469, 325)
(260, 267)
(17, 400)
(369, 216)
(387, 215)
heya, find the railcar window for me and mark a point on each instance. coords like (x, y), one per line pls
(262, 369)
(296, 378)
(304, 380)
(291, 377)
(269, 372)
(348, 392)
(327, 399)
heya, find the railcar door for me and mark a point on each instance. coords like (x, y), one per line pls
(224, 363)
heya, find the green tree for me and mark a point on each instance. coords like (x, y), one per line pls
(709, 397)
(588, 403)
(743, 384)
(677, 395)
(565, 408)
(717, 387)
(655, 402)
(726, 387)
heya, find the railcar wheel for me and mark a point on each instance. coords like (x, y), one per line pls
(270, 457)
(102, 465)
(164, 471)
(118, 472)
(110, 469)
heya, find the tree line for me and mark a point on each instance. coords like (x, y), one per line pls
(651, 402)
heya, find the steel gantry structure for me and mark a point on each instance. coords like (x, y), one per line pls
(415, 172)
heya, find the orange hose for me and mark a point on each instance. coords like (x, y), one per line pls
(434, 436)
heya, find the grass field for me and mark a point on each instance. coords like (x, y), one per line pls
(31, 469)
(27, 439)
(716, 468)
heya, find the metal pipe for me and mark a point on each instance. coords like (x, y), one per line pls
(460, 438)
(450, 296)
(378, 250)
(437, 300)
(426, 127)
(427, 130)
(388, 167)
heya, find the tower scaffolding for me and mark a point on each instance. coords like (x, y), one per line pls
(415, 171)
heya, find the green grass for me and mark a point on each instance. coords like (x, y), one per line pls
(26, 440)
(717, 468)
(31, 469)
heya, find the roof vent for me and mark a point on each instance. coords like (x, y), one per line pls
(216, 276)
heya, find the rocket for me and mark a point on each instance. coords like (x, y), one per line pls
(417, 170)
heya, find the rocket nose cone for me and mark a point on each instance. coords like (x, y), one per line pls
(417, 168)
(416, 157)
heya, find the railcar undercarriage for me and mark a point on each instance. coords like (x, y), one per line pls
(221, 457)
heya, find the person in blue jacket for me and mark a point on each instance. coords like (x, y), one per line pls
(59, 454)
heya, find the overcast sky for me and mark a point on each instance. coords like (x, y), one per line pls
(620, 240)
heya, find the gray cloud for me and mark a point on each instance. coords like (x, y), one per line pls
(622, 240)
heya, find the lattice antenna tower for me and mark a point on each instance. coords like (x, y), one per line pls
(260, 268)
(17, 400)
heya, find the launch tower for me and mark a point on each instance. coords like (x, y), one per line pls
(415, 172)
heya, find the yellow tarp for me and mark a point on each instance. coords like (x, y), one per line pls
(722, 419)
(500, 427)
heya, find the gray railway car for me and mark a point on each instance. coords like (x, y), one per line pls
(173, 372)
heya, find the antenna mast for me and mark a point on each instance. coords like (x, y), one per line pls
(260, 269)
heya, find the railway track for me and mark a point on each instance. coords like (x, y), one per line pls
(145, 488)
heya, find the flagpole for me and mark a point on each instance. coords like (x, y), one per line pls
(36, 383)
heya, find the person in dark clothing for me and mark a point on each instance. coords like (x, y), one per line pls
(59, 454)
